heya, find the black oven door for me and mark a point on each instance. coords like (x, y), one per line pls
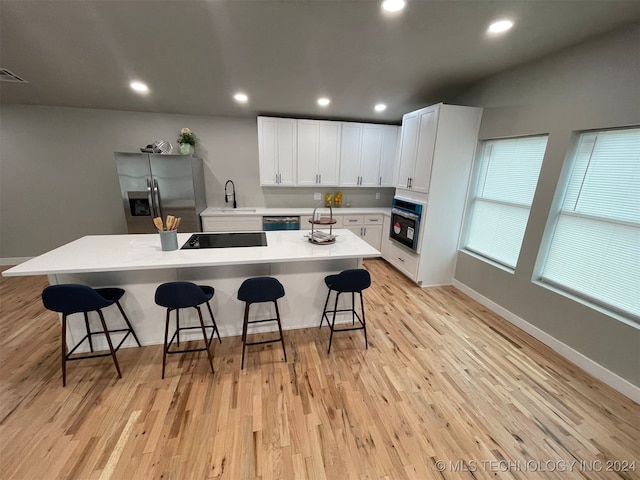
(405, 227)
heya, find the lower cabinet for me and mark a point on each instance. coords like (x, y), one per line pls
(403, 260)
(368, 227)
(239, 223)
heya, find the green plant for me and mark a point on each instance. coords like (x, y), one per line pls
(187, 136)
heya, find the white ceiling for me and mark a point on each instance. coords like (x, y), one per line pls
(284, 54)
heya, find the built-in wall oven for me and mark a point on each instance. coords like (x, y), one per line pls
(405, 222)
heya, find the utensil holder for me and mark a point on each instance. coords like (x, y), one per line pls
(168, 240)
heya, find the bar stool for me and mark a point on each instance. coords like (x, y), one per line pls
(177, 295)
(259, 290)
(73, 298)
(347, 281)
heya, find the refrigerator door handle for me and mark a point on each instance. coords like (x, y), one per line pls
(156, 192)
(150, 198)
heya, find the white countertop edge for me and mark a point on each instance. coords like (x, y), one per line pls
(51, 263)
(276, 211)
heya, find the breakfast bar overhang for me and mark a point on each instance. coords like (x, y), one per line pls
(137, 264)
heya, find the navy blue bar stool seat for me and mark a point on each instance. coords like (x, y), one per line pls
(348, 281)
(179, 295)
(68, 299)
(260, 290)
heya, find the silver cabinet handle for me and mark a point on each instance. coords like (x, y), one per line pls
(379, 180)
(320, 178)
(401, 259)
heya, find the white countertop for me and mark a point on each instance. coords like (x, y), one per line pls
(224, 211)
(108, 253)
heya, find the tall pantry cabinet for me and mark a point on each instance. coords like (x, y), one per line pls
(437, 147)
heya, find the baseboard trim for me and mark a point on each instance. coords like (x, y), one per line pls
(601, 373)
(14, 260)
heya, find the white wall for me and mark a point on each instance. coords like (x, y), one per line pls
(58, 178)
(591, 86)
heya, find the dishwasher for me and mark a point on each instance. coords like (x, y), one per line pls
(280, 223)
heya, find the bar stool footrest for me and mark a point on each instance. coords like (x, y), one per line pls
(188, 350)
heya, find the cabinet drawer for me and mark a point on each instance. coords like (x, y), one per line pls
(373, 219)
(403, 260)
(352, 220)
(232, 224)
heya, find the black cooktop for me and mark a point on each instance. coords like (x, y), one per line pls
(226, 240)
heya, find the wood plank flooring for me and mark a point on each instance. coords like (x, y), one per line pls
(446, 390)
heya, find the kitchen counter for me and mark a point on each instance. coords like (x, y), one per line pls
(119, 253)
(137, 264)
(265, 211)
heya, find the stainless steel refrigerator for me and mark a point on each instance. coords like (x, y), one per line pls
(155, 185)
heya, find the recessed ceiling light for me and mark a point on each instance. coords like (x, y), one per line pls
(323, 102)
(139, 87)
(241, 97)
(500, 26)
(394, 5)
(380, 107)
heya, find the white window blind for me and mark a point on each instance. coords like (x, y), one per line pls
(506, 180)
(595, 248)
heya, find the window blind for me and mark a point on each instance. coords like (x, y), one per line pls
(595, 248)
(507, 175)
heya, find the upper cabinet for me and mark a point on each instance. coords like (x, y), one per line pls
(277, 151)
(417, 145)
(367, 154)
(318, 152)
(296, 152)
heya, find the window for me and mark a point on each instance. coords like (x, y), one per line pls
(507, 174)
(594, 251)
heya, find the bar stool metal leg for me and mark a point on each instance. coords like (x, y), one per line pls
(113, 352)
(126, 319)
(63, 349)
(166, 346)
(245, 325)
(280, 329)
(206, 340)
(215, 325)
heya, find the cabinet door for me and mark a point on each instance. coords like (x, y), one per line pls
(408, 145)
(267, 150)
(286, 151)
(308, 134)
(350, 154)
(373, 235)
(425, 149)
(371, 155)
(328, 153)
(389, 155)
(276, 150)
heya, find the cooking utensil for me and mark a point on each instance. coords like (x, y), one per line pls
(169, 222)
(158, 223)
(177, 224)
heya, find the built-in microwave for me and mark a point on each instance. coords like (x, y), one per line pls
(405, 222)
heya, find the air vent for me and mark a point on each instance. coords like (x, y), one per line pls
(9, 76)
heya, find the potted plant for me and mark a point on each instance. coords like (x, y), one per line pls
(187, 141)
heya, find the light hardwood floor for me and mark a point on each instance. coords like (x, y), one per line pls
(443, 380)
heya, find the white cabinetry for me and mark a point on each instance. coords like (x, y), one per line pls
(368, 227)
(277, 151)
(318, 152)
(367, 154)
(437, 150)
(232, 223)
(417, 146)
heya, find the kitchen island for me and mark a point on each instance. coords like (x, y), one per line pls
(137, 264)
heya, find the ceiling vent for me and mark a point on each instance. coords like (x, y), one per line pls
(8, 76)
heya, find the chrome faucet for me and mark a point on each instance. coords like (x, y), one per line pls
(229, 196)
